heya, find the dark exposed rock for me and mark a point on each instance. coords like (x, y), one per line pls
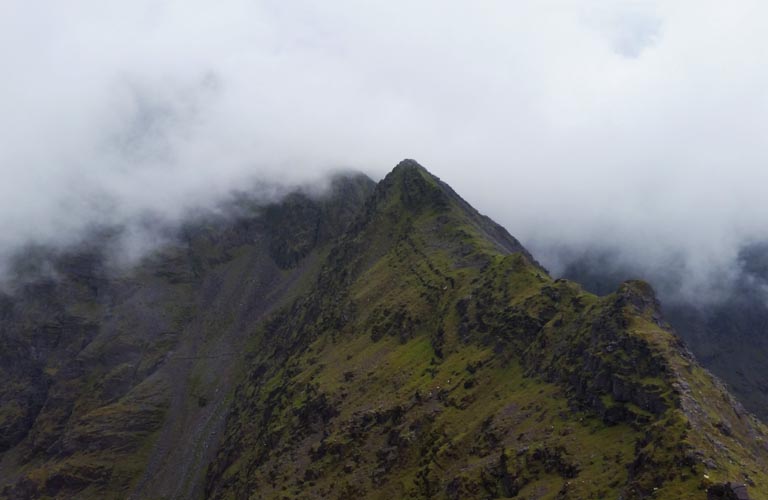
(727, 336)
(727, 491)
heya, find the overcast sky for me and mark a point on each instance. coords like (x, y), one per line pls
(638, 125)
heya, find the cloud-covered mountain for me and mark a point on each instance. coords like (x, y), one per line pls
(383, 340)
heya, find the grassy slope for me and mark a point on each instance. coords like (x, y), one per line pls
(428, 361)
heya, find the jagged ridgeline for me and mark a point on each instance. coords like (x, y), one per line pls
(385, 341)
(434, 357)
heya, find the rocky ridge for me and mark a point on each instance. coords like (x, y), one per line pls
(378, 342)
(431, 360)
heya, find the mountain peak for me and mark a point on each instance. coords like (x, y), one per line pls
(411, 171)
(410, 186)
(412, 190)
(409, 164)
(408, 172)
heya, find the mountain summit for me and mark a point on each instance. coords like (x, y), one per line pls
(384, 341)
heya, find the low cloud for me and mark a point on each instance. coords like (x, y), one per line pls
(634, 127)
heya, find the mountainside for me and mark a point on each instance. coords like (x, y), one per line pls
(385, 342)
(728, 336)
(118, 385)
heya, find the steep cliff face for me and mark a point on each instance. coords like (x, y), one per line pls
(434, 357)
(388, 342)
(117, 385)
(728, 335)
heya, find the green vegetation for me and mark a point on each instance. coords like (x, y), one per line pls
(384, 344)
(429, 361)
